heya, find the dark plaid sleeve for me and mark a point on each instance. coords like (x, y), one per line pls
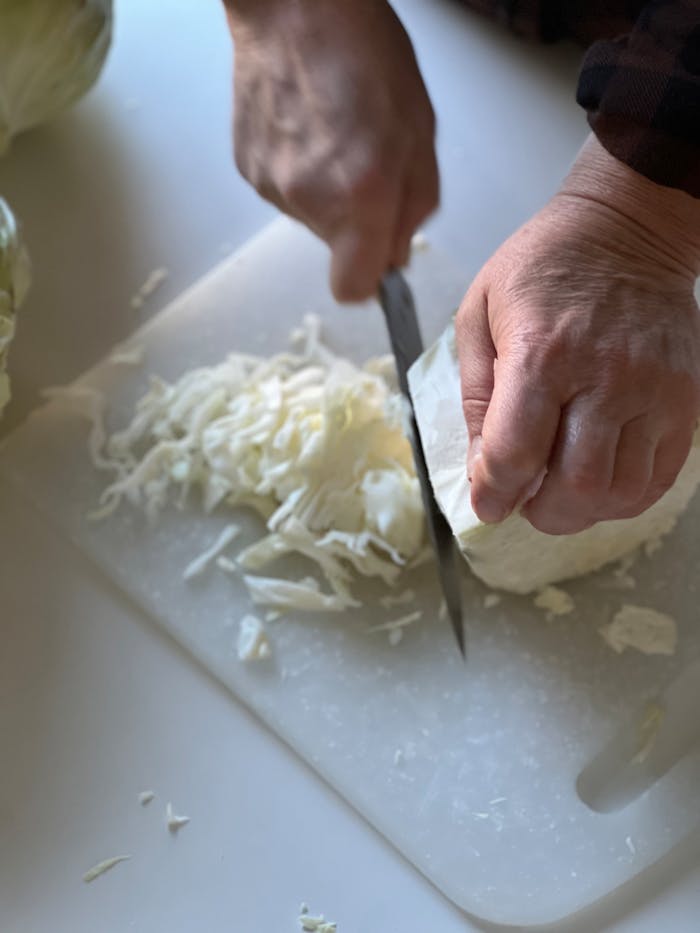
(642, 94)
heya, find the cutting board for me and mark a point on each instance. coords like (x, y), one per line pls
(513, 782)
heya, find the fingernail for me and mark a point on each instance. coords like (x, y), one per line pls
(473, 455)
(491, 510)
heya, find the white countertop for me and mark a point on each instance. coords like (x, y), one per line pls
(95, 705)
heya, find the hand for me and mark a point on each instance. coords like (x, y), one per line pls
(333, 125)
(579, 346)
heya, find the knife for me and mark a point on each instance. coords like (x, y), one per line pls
(404, 335)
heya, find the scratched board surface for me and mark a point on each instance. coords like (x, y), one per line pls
(477, 773)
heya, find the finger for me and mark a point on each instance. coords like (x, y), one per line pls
(517, 435)
(477, 356)
(634, 467)
(669, 458)
(420, 198)
(671, 455)
(580, 471)
(361, 244)
(358, 261)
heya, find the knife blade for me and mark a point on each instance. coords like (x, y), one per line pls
(399, 309)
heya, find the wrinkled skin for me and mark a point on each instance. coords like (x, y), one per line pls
(579, 340)
(333, 124)
(580, 355)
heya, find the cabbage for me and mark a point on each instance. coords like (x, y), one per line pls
(14, 281)
(51, 53)
(312, 442)
(513, 555)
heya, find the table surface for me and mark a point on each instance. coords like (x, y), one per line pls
(95, 705)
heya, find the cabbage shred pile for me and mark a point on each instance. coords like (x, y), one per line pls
(312, 442)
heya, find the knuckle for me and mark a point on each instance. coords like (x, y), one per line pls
(359, 191)
(585, 481)
(255, 174)
(472, 304)
(366, 182)
(476, 406)
(537, 353)
(296, 188)
(648, 382)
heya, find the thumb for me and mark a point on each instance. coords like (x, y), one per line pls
(477, 356)
(518, 433)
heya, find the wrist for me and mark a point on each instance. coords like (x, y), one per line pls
(667, 219)
(249, 14)
(255, 15)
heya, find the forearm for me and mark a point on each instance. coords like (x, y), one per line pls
(668, 217)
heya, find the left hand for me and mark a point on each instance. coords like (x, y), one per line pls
(579, 347)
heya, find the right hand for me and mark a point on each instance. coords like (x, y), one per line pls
(333, 124)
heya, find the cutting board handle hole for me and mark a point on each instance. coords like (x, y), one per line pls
(660, 735)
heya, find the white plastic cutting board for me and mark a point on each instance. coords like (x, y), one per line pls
(476, 773)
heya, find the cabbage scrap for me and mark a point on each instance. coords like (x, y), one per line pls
(104, 866)
(174, 821)
(643, 629)
(253, 643)
(200, 563)
(319, 924)
(295, 594)
(310, 441)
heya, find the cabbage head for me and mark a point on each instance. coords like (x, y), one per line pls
(51, 53)
(14, 282)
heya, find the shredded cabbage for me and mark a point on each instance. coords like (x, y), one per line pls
(174, 821)
(312, 442)
(200, 563)
(253, 643)
(311, 924)
(104, 866)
